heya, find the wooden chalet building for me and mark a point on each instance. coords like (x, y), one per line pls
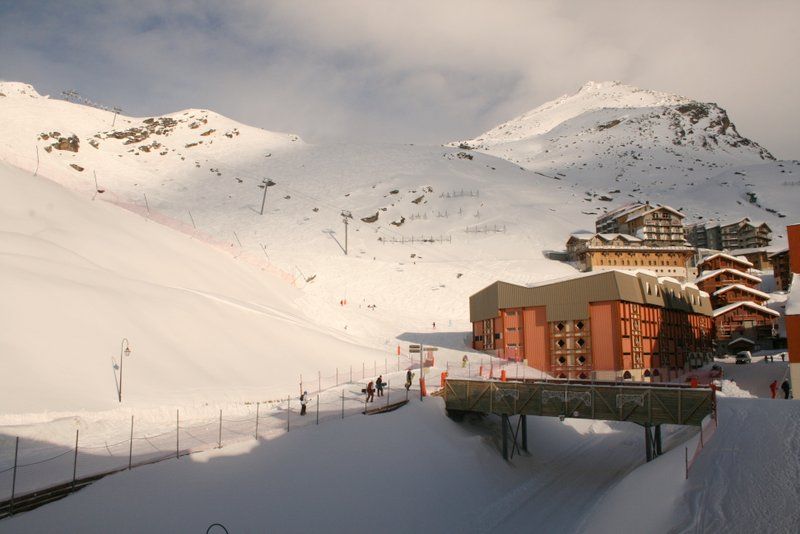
(737, 293)
(608, 325)
(744, 319)
(721, 260)
(737, 234)
(711, 281)
(655, 225)
(780, 269)
(597, 252)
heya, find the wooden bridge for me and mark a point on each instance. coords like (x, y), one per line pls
(646, 404)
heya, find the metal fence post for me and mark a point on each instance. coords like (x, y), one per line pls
(351, 374)
(177, 433)
(686, 450)
(219, 440)
(317, 409)
(14, 476)
(342, 404)
(75, 460)
(319, 380)
(374, 367)
(258, 407)
(130, 451)
(337, 376)
(288, 411)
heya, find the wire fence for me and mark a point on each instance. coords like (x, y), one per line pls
(29, 464)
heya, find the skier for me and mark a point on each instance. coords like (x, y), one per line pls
(434, 325)
(773, 388)
(464, 361)
(409, 378)
(303, 402)
(787, 389)
(379, 384)
(371, 391)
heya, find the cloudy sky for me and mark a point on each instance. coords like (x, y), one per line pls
(425, 71)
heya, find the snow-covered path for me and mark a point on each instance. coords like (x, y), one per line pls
(746, 479)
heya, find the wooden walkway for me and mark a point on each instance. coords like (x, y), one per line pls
(642, 403)
(646, 404)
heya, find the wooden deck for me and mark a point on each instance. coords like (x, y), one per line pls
(642, 403)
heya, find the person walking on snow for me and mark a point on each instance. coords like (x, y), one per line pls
(303, 402)
(787, 389)
(371, 391)
(773, 388)
(464, 361)
(379, 384)
(409, 378)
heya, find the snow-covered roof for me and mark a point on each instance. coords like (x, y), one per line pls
(779, 251)
(661, 207)
(725, 309)
(752, 250)
(585, 236)
(711, 274)
(727, 257)
(743, 288)
(742, 339)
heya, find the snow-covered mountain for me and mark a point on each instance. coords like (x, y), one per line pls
(611, 140)
(213, 317)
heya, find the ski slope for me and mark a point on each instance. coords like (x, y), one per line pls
(78, 276)
(224, 305)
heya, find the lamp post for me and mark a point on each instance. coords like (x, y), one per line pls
(124, 350)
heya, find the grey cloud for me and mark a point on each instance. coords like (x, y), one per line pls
(409, 71)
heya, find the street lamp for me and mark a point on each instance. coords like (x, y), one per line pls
(124, 350)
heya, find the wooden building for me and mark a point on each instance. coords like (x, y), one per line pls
(740, 233)
(721, 260)
(655, 225)
(745, 319)
(759, 256)
(737, 293)
(606, 326)
(780, 269)
(711, 281)
(597, 252)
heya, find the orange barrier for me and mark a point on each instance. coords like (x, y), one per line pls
(422, 390)
(444, 378)
(480, 371)
(503, 375)
(398, 350)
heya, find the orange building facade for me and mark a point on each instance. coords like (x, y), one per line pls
(793, 307)
(607, 326)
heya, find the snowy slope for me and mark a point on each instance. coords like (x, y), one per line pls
(78, 276)
(621, 142)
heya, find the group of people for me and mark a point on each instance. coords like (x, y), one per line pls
(373, 387)
(786, 387)
(378, 385)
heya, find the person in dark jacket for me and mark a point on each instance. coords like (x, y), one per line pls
(787, 389)
(379, 384)
(371, 391)
(409, 378)
(303, 402)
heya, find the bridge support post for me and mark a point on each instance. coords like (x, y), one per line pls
(648, 442)
(505, 424)
(524, 432)
(658, 440)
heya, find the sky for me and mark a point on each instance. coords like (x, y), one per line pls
(406, 71)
